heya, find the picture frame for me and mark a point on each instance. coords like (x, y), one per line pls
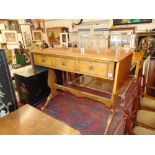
(64, 39)
(37, 35)
(145, 41)
(53, 34)
(130, 21)
(26, 34)
(39, 24)
(14, 25)
(2, 26)
(5, 22)
(10, 37)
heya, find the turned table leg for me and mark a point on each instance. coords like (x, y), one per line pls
(137, 69)
(51, 81)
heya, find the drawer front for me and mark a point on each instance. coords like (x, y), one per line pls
(104, 69)
(85, 66)
(43, 60)
(100, 68)
(67, 64)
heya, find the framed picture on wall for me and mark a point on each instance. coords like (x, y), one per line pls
(64, 39)
(39, 24)
(9, 37)
(2, 26)
(53, 34)
(130, 21)
(5, 22)
(26, 34)
(37, 35)
(14, 25)
(145, 41)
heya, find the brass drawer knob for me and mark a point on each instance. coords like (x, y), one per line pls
(63, 64)
(43, 60)
(91, 67)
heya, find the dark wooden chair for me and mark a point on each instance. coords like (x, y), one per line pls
(146, 102)
(144, 124)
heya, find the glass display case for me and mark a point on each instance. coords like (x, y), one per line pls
(90, 38)
(122, 37)
(74, 39)
(101, 37)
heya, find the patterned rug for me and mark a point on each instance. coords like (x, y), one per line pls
(87, 116)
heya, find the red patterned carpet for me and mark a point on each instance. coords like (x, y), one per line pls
(87, 116)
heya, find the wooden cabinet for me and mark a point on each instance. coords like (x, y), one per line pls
(31, 86)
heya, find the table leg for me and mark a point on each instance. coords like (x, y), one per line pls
(114, 101)
(51, 81)
(137, 69)
(109, 121)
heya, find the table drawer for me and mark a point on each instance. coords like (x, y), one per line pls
(106, 69)
(43, 60)
(99, 69)
(66, 64)
(85, 66)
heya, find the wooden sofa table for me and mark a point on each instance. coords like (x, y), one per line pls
(29, 121)
(108, 64)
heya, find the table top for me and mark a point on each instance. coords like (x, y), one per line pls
(28, 120)
(28, 71)
(115, 55)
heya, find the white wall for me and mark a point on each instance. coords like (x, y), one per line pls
(68, 23)
(58, 23)
(93, 22)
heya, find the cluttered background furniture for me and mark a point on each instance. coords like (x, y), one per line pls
(122, 37)
(31, 84)
(8, 101)
(137, 62)
(144, 123)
